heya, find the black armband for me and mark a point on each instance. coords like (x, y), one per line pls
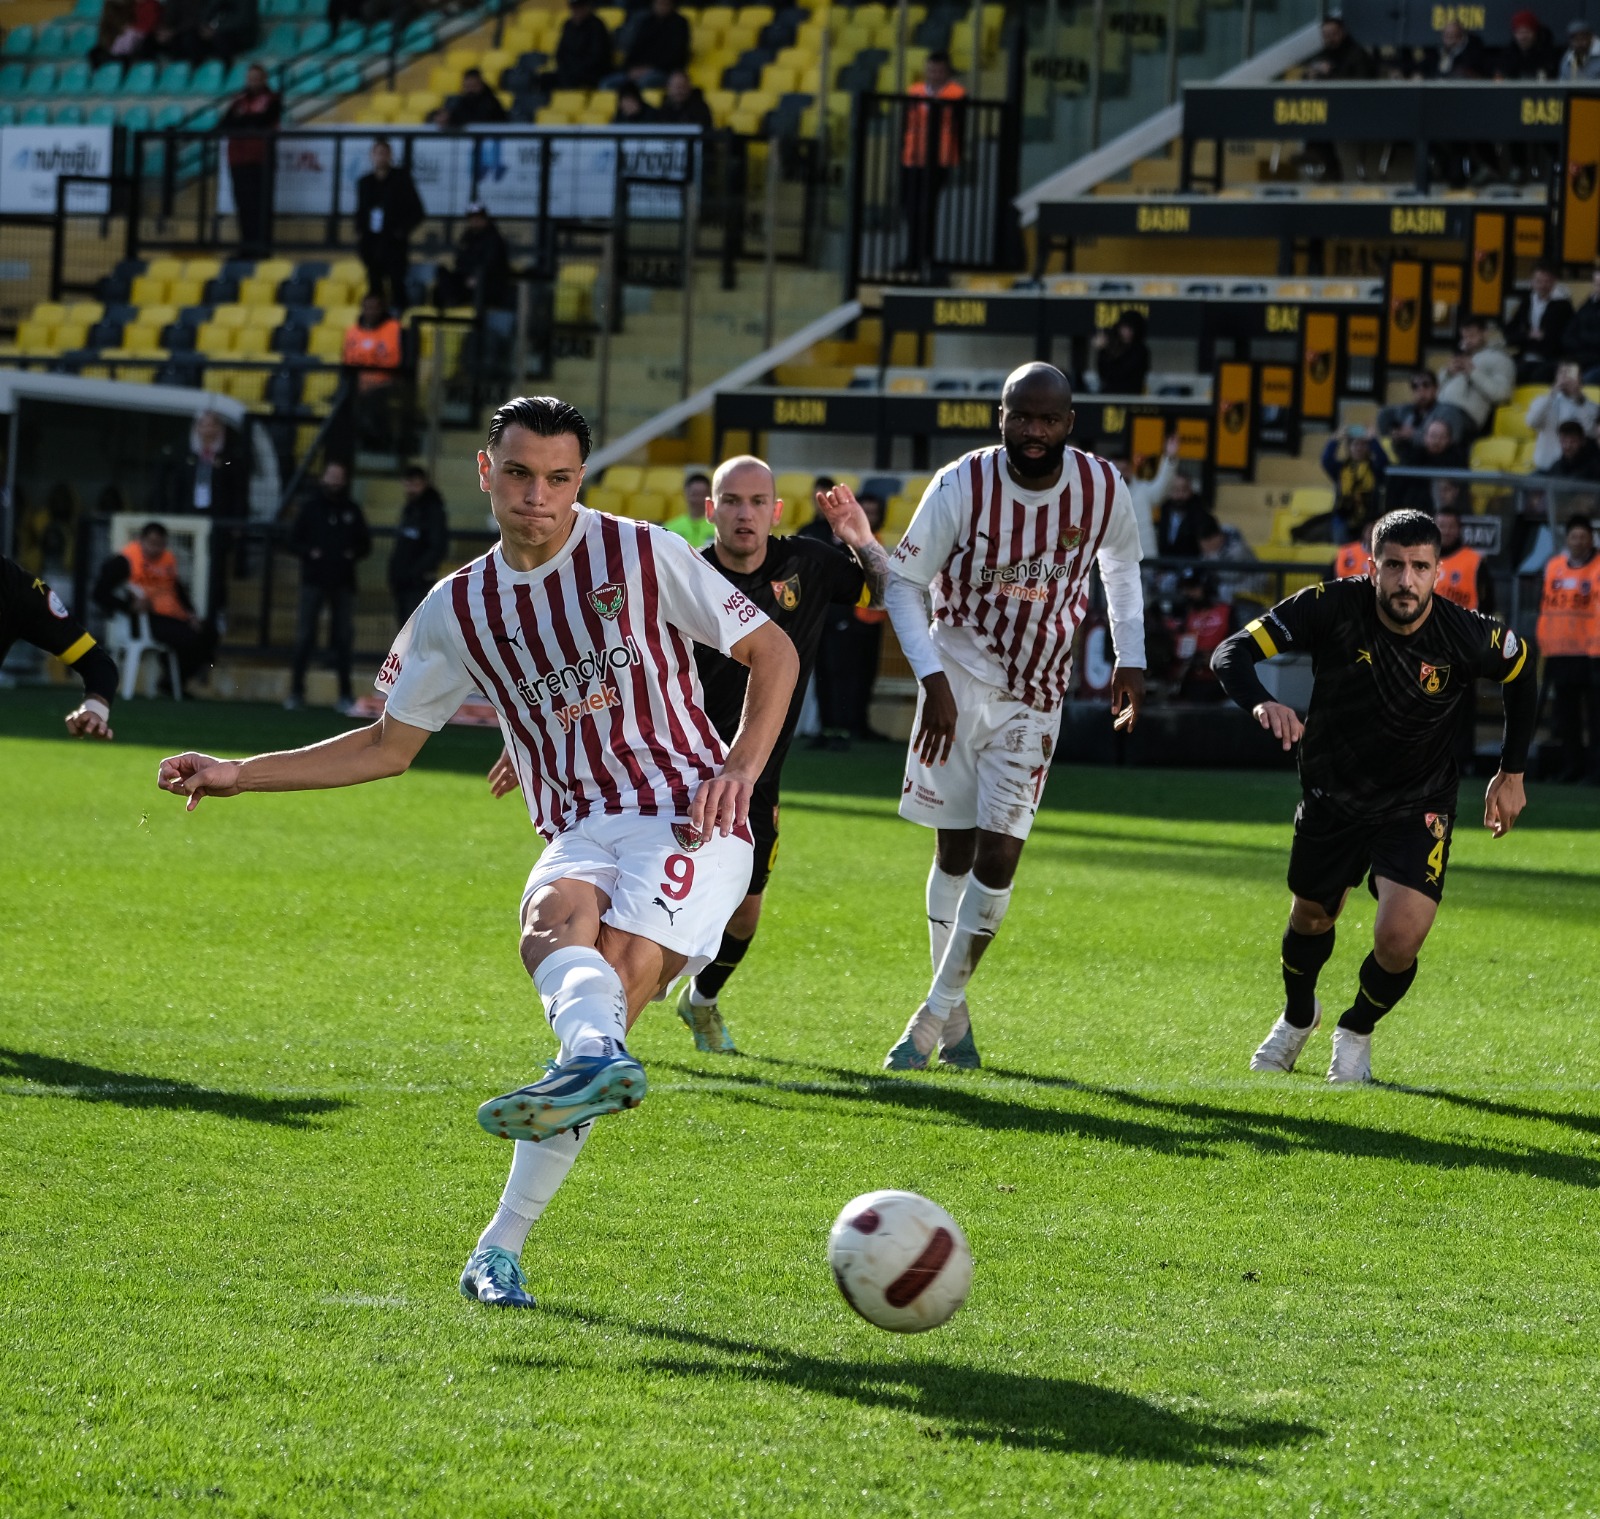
(1234, 665)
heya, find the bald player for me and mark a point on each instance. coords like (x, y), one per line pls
(986, 591)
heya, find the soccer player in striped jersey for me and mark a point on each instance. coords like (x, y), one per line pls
(1002, 544)
(579, 629)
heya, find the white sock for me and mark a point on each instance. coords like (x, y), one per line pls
(978, 920)
(583, 1001)
(944, 898)
(536, 1171)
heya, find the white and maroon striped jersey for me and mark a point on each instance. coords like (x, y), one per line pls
(1008, 569)
(588, 660)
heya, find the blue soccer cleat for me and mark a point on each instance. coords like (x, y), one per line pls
(711, 1036)
(585, 1087)
(911, 1052)
(494, 1278)
(962, 1055)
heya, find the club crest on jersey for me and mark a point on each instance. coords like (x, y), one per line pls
(607, 599)
(787, 592)
(1438, 824)
(1071, 537)
(688, 839)
(1435, 678)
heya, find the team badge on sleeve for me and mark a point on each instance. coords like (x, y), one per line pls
(1435, 678)
(607, 599)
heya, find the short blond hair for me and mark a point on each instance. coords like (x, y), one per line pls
(738, 462)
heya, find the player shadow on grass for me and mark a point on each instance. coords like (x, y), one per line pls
(1193, 1130)
(958, 1401)
(89, 1083)
(1584, 1123)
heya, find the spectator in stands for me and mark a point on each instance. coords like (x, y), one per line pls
(1222, 543)
(388, 211)
(1355, 557)
(1532, 54)
(1569, 635)
(480, 274)
(330, 537)
(682, 104)
(1537, 325)
(1581, 341)
(127, 31)
(211, 476)
(1358, 469)
(257, 109)
(1182, 516)
(372, 347)
(691, 523)
(929, 149)
(1404, 424)
(1479, 378)
(1464, 576)
(199, 29)
(1122, 357)
(142, 582)
(1581, 59)
(583, 51)
(1461, 55)
(848, 652)
(1437, 450)
(1579, 458)
(421, 540)
(475, 104)
(1342, 57)
(1149, 495)
(1200, 622)
(659, 46)
(1563, 402)
(631, 109)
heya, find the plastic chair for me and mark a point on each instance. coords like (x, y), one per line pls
(140, 79)
(174, 77)
(36, 116)
(41, 80)
(128, 648)
(74, 79)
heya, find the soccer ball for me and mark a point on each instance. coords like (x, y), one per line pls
(901, 1261)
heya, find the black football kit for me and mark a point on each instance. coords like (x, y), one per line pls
(30, 612)
(795, 584)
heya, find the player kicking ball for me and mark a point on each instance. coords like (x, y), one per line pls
(579, 629)
(1393, 671)
(1002, 543)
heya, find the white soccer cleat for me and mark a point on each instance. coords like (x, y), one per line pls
(1352, 1057)
(1281, 1048)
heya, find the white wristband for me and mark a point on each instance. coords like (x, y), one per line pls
(98, 707)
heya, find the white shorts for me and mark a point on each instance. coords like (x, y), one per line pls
(677, 895)
(995, 774)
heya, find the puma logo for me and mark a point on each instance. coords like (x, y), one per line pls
(514, 639)
(671, 912)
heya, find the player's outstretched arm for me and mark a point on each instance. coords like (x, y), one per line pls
(848, 519)
(1505, 798)
(385, 748)
(723, 802)
(1235, 665)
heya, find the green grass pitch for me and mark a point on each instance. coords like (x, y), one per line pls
(240, 1053)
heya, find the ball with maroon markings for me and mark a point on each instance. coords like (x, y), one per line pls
(901, 1261)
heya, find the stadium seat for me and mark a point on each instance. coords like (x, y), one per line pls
(140, 79)
(650, 506)
(19, 42)
(623, 478)
(1494, 455)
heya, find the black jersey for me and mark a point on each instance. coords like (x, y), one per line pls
(1380, 732)
(794, 585)
(32, 613)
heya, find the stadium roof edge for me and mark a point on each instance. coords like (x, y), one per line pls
(1155, 132)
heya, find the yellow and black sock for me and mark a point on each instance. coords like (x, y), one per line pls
(1304, 955)
(1378, 992)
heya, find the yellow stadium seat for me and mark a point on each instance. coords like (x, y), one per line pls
(384, 105)
(650, 506)
(185, 292)
(778, 80)
(257, 291)
(213, 337)
(571, 101)
(71, 335)
(87, 312)
(331, 290)
(340, 317)
(247, 385)
(897, 516)
(717, 17)
(148, 290)
(142, 338)
(267, 317)
(1524, 460)
(597, 498)
(251, 341)
(36, 338)
(665, 478)
(164, 269)
(202, 269)
(233, 315)
(318, 388)
(444, 78)
(326, 342)
(421, 104)
(1494, 455)
(625, 479)
(136, 374)
(613, 16)
(48, 313)
(1511, 421)
(275, 269)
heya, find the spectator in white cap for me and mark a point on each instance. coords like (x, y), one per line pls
(1580, 61)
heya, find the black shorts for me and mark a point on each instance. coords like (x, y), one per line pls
(764, 831)
(1331, 854)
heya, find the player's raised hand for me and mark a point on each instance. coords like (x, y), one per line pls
(502, 775)
(845, 515)
(1281, 722)
(198, 775)
(1503, 803)
(89, 721)
(721, 804)
(1127, 698)
(937, 735)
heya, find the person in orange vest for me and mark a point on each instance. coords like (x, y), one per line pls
(372, 347)
(1569, 638)
(929, 150)
(1355, 558)
(1463, 573)
(143, 581)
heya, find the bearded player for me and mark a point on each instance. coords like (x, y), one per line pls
(579, 629)
(997, 560)
(1394, 666)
